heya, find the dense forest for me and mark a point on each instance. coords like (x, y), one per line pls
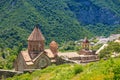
(61, 20)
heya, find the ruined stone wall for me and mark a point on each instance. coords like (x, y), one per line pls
(8, 73)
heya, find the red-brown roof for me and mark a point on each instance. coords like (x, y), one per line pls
(49, 53)
(53, 44)
(27, 58)
(30, 61)
(36, 35)
(86, 40)
(26, 55)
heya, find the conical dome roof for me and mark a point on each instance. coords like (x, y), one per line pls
(86, 40)
(53, 44)
(36, 35)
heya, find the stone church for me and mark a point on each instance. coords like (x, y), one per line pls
(36, 57)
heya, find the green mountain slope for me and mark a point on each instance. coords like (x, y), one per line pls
(100, 17)
(116, 31)
(56, 20)
(113, 5)
(93, 12)
(61, 20)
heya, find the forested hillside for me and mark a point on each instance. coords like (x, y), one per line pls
(100, 17)
(56, 20)
(61, 20)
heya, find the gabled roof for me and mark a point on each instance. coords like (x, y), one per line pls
(36, 35)
(49, 53)
(42, 53)
(27, 58)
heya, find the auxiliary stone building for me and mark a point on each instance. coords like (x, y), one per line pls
(36, 57)
(87, 55)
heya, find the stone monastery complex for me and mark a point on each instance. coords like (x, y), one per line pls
(37, 57)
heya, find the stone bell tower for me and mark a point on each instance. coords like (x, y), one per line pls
(35, 42)
(85, 44)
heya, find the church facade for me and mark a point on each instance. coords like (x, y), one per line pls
(36, 57)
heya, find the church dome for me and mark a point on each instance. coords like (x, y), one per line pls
(36, 35)
(86, 40)
(53, 44)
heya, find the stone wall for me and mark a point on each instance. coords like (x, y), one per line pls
(8, 73)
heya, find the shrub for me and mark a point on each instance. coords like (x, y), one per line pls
(78, 69)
